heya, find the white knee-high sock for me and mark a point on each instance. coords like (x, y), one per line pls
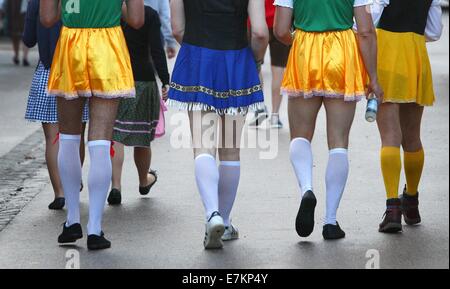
(99, 179)
(69, 166)
(207, 176)
(302, 161)
(230, 174)
(336, 179)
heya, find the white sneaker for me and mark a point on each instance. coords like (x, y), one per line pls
(259, 118)
(275, 122)
(231, 233)
(214, 232)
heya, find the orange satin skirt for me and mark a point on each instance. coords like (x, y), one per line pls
(91, 62)
(326, 64)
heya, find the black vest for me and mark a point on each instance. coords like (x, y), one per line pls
(406, 16)
(216, 24)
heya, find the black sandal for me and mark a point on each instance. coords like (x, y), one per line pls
(146, 190)
(58, 204)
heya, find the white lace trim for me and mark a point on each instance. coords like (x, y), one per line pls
(195, 106)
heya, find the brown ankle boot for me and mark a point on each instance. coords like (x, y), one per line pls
(392, 222)
(410, 208)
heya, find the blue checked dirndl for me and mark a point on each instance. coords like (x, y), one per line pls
(42, 107)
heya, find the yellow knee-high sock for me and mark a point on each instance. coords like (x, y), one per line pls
(391, 166)
(414, 163)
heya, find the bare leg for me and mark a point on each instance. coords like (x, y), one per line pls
(302, 116)
(389, 125)
(231, 134)
(16, 46)
(102, 118)
(143, 160)
(411, 121)
(51, 157)
(204, 126)
(277, 78)
(340, 117)
(117, 165)
(25, 53)
(69, 116)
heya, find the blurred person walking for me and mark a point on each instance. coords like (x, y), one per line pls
(138, 117)
(2, 18)
(15, 11)
(41, 106)
(279, 54)
(162, 7)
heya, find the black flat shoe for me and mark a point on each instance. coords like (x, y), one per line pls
(95, 242)
(57, 204)
(70, 234)
(115, 197)
(146, 190)
(333, 232)
(26, 63)
(16, 61)
(304, 224)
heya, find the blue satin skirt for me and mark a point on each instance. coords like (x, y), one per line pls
(223, 81)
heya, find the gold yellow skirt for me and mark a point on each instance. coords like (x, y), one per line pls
(91, 62)
(325, 64)
(404, 68)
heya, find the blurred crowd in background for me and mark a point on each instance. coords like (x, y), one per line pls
(12, 15)
(12, 21)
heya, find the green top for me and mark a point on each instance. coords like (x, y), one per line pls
(91, 13)
(323, 15)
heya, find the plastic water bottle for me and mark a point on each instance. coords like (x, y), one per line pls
(372, 108)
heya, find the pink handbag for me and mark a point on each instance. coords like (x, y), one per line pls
(161, 127)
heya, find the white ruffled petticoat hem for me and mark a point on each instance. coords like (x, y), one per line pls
(193, 106)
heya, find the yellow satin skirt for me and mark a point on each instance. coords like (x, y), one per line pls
(91, 63)
(325, 64)
(404, 68)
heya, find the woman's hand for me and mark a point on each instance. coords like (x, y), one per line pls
(171, 52)
(375, 88)
(165, 92)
